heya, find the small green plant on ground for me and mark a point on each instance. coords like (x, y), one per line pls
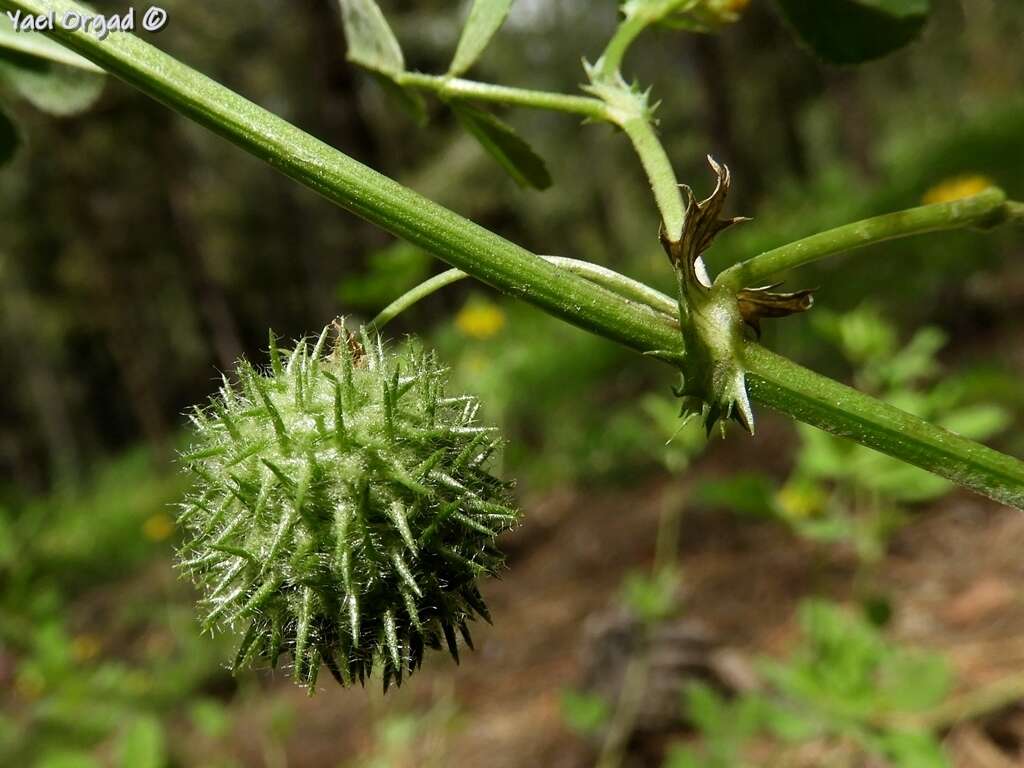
(73, 687)
(297, 474)
(844, 685)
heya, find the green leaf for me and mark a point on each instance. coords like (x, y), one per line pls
(54, 88)
(36, 46)
(913, 750)
(749, 494)
(705, 707)
(504, 145)
(49, 76)
(142, 745)
(790, 725)
(585, 713)
(683, 757)
(485, 18)
(9, 138)
(67, 759)
(914, 682)
(652, 597)
(371, 43)
(852, 31)
(978, 422)
(210, 717)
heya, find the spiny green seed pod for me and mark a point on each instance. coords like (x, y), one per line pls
(343, 512)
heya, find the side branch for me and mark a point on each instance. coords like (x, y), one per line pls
(456, 87)
(626, 287)
(986, 209)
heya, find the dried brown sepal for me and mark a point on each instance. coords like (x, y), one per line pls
(758, 303)
(703, 225)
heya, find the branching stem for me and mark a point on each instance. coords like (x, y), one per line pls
(490, 258)
(610, 63)
(986, 209)
(628, 288)
(456, 87)
(636, 126)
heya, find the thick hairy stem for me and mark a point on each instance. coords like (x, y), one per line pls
(986, 209)
(517, 272)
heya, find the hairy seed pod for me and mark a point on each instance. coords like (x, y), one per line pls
(343, 512)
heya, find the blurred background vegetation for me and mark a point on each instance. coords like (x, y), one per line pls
(651, 614)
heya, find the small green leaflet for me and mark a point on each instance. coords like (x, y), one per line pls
(53, 88)
(853, 31)
(9, 139)
(142, 744)
(45, 74)
(485, 18)
(37, 46)
(371, 43)
(504, 145)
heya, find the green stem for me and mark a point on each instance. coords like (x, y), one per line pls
(639, 17)
(659, 170)
(455, 87)
(626, 287)
(610, 63)
(821, 402)
(352, 185)
(413, 296)
(517, 272)
(639, 130)
(987, 208)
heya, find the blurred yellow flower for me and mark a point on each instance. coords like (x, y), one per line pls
(800, 501)
(158, 527)
(85, 647)
(480, 320)
(957, 187)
